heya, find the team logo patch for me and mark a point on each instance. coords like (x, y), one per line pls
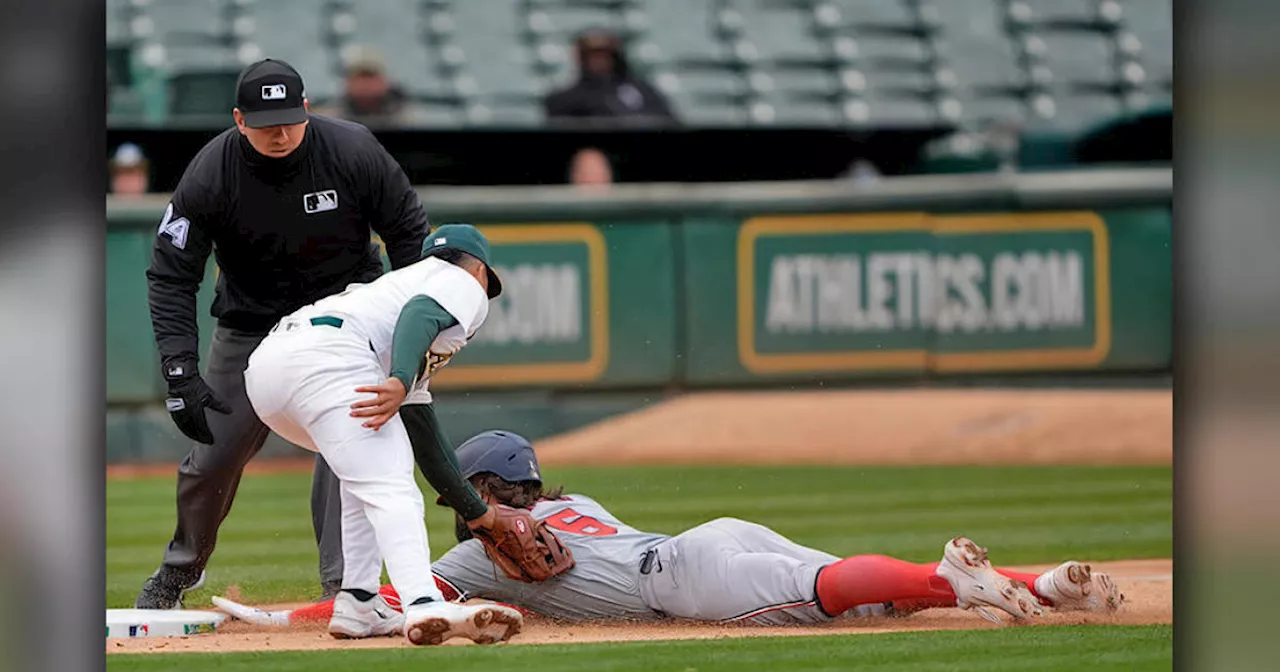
(320, 201)
(274, 92)
(197, 628)
(174, 228)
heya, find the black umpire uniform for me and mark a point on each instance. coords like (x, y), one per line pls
(286, 232)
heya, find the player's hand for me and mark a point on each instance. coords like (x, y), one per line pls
(188, 398)
(380, 409)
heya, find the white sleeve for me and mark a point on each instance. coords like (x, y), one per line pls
(461, 295)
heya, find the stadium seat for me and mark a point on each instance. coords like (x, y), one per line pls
(202, 92)
(1064, 13)
(1153, 30)
(892, 16)
(501, 73)
(900, 82)
(695, 111)
(183, 21)
(1075, 111)
(768, 32)
(813, 81)
(983, 66)
(558, 21)
(889, 112)
(725, 84)
(980, 111)
(1076, 58)
(780, 110)
(884, 51)
(680, 32)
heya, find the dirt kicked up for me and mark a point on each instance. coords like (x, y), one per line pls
(1147, 585)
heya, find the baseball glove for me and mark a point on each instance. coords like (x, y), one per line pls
(523, 548)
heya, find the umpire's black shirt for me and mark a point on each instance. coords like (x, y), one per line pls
(285, 232)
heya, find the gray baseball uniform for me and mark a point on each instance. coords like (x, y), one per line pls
(724, 570)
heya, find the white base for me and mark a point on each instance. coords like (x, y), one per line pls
(161, 622)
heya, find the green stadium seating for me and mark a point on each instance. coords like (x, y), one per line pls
(770, 32)
(202, 92)
(1076, 58)
(1052, 63)
(680, 32)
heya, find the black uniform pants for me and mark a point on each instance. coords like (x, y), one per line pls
(209, 475)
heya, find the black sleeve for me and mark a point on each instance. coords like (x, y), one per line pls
(178, 256)
(559, 105)
(439, 464)
(395, 211)
(657, 103)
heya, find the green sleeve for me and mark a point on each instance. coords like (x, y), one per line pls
(420, 321)
(436, 459)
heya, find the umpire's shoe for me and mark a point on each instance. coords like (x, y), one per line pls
(165, 588)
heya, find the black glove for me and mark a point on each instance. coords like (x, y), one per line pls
(188, 397)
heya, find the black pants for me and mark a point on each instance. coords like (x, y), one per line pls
(209, 475)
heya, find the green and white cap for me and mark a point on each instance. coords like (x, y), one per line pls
(464, 238)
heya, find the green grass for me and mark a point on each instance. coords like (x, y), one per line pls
(1047, 649)
(1023, 514)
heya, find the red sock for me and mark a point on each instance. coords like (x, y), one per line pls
(318, 612)
(1029, 579)
(875, 579)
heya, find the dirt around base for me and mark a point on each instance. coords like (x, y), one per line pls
(1147, 585)
(968, 426)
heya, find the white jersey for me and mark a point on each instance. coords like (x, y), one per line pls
(372, 309)
(603, 584)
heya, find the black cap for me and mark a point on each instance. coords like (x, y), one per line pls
(270, 93)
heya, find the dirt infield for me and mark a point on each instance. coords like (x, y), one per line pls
(1147, 584)
(971, 426)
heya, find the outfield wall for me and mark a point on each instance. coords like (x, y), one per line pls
(652, 288)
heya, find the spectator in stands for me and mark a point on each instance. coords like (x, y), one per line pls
(130, 171)
(370, 97)
(606, 88)
(590, 169)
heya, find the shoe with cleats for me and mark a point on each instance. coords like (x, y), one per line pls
(431, 623)
(978, 586)
(356, 619)
(165, 588)
(1074, 586)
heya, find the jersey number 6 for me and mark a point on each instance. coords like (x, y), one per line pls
(572, 521)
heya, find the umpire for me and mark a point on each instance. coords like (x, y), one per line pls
(286, 201)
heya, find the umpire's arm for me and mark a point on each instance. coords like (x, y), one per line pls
(178, 258)
(394, 211)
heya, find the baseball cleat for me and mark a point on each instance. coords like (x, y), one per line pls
(1074, 586)
(253, 615)
(979, 587)
(165, 588)
(435, 622)
(354, 619)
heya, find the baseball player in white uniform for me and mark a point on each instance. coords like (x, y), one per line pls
(310, 381)
(726, 570)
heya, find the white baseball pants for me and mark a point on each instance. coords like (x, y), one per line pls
(301, 381)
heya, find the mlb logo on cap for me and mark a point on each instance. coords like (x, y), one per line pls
(274, 92)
